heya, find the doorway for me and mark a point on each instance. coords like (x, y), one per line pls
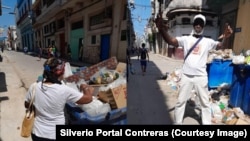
(105, 47)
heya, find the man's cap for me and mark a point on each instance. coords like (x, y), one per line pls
(200, 16)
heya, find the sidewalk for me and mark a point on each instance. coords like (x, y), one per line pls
(11, 103)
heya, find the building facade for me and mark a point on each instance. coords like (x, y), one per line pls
(24, 24)
(179, 14)
(12, 38)
(94, 30)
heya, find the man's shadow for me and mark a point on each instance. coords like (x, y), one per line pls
(191, 111)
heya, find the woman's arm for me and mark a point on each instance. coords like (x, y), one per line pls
(87, 94)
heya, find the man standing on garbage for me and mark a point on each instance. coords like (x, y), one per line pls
(194, 72)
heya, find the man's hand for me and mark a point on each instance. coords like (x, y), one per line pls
(160, 22)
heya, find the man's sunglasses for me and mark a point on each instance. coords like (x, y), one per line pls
(199, 22)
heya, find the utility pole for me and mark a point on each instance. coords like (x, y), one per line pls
(130, 42)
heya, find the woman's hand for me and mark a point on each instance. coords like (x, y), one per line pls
(86, 89)
(87, 94)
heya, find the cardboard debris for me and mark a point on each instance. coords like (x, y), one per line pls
(232, 121)
(121, 67)
(238, 112)
(116, 97)
(241, 122)
(235, 116)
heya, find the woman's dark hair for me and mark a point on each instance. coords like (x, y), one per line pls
(53, 69)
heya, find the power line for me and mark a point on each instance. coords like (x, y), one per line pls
(140, 5)
(6, 7)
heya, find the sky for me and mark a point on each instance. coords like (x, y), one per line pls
(7, 19)
(140, 15)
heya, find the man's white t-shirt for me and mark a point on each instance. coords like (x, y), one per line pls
(50, 101)
(195, 64)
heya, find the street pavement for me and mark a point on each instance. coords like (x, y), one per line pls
(151, 100)
(11, 102)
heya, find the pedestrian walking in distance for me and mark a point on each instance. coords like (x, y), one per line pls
(194, 72)
(143, 58)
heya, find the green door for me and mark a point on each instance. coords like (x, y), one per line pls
(75, 43)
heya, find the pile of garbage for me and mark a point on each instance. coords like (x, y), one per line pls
(105, 77)
(224, 54)
(228, 54)
(173, 79)
(222, 111)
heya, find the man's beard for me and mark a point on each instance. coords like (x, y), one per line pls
(193, 32)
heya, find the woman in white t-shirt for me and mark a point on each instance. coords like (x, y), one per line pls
(50, 99)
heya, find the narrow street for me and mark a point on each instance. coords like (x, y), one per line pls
(150, 99)
(18, 71)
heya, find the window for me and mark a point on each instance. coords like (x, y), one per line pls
(77, 25)
(49, 2)
(93, 39)
(185, 21)
(108, 12)
(209, 23)
(52, 27)
(125, 12)
(46, 29)
(60, 23)
(97, 19)
(123, 35)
